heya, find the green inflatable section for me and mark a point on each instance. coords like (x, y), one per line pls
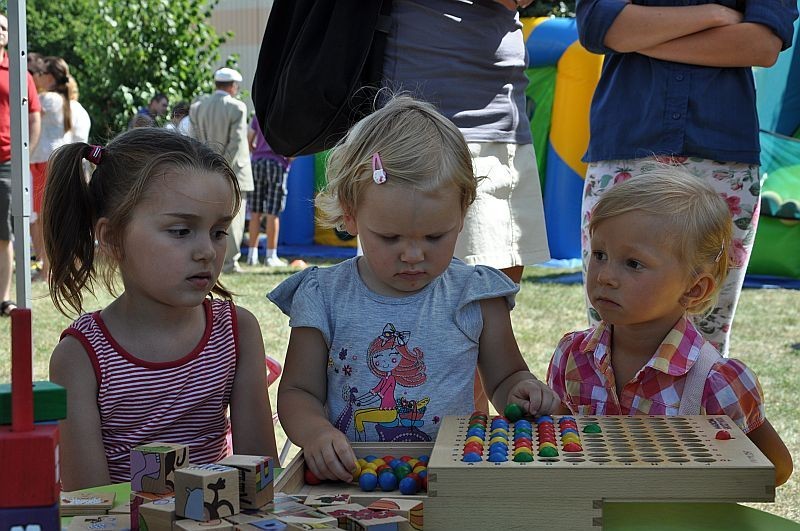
(540, 92)
(776, 250)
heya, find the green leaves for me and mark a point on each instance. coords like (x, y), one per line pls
(549, 8)
(122, 53)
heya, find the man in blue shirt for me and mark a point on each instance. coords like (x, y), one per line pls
(677, 88)
(156, 108)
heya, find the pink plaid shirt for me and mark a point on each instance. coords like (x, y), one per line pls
(581, 374)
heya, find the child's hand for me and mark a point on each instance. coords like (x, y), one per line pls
(329, 456)
(534, 397)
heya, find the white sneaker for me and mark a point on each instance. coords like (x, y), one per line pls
(252, 260)
(274, 261)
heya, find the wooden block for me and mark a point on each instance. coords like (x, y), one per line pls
(375, 521)
(49, 402)
(206, 492)
(139, 498)
(307, 516)
(341, 512)
(256, 475)
(408, 508)
(29, 461)
(153, 466)
(157, 515)
(44, 518)
(93, 503)
(284, 504)
(324, 500)
(193, 525)
(252, 522)
(306, 527)
(121, 508)
(100, 521)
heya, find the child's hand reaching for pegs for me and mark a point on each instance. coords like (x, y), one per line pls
(535, 397)
(329, 456)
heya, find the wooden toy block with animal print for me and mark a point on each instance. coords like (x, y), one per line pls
(153, 466)
(157, 514)
(206, 492)
(256, 474)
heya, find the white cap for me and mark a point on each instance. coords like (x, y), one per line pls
(227, 74)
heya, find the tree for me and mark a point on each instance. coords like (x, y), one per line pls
(122, 53)
(549, 8)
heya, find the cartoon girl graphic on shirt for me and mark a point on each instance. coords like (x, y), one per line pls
(391, 360)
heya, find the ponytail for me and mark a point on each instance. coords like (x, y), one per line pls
(69, 217)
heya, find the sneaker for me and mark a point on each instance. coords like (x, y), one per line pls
(252, 260)
(274, 261)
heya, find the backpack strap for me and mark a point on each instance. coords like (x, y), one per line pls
(696, 380)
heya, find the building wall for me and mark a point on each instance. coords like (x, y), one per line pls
(247, 20)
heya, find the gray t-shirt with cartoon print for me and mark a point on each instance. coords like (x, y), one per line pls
(396, 365)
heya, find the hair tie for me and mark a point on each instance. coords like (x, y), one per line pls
(378, 174)
(94, 154)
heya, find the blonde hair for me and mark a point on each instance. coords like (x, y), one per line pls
(698, 218)
(418, 147)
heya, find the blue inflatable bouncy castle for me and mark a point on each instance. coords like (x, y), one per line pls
(563, 76)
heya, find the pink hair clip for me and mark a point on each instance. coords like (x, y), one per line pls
(378, 174)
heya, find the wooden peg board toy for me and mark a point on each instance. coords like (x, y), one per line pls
(292, 480)
(570, 465)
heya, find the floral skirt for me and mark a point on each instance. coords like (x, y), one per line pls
(738, 184)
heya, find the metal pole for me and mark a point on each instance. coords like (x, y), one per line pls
(20, 168)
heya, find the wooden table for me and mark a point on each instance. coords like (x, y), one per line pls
(636, 516)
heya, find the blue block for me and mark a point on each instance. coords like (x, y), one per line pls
(30, 519)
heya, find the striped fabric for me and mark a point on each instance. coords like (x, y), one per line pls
(581, 373)
(183, 401)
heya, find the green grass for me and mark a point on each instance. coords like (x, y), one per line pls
(765, 331)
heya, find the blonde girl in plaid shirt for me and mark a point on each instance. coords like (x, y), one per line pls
(660, 245)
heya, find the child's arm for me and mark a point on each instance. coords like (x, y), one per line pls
(638, 27)
(301, 398)
(82, 455)
(505, 374)
(736, 45)
(771, 445)
(251, 414)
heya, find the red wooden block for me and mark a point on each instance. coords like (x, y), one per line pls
(21, 371)
(29, 461)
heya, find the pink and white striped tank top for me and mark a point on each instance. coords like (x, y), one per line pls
(183, 401)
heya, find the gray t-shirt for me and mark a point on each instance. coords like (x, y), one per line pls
(468, 58)
(396, 365)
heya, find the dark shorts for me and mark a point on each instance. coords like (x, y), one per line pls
(6, 228)
(269, 187)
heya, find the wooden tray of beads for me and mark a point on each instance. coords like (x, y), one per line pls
(292, 480)
(625, 459)
(630, 458)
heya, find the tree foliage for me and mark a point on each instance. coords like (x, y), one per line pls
(550, 8)
(122, 53)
